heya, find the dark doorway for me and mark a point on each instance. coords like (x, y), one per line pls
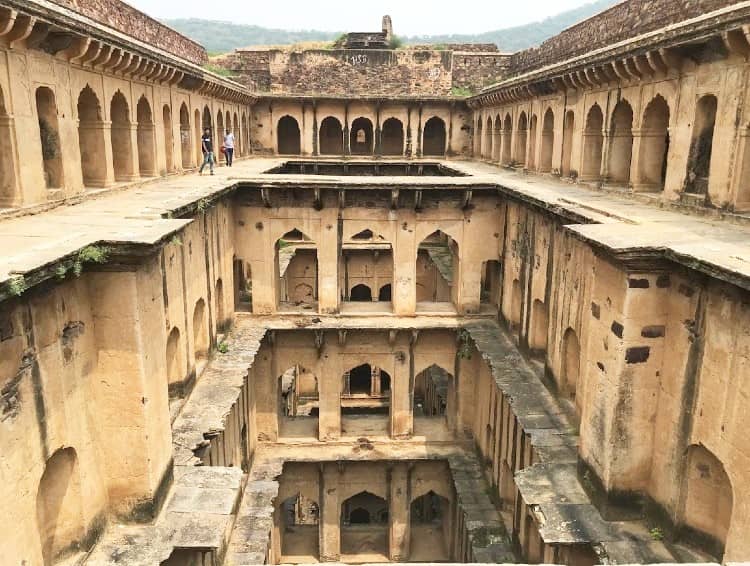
(360, 138)
(393, 137)
(434, 137)
(385, 293)
(288, 136)
(331, 137)
(360, 293)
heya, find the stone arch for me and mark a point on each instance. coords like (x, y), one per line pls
(185, 142)
(521, 139)
(197, 154)
(507, 138)
(221, 321)
(168, 137)
(516, 304)
(298, 398)
(385, 294)
(239, 142)
(145, 138)
(331, 136)
(175, 372)
(478, 139)
(206, 121)
(218, 136)
(435, 394)
(122, 150)
(49, 133)
(437, 268)
(300, 519)
(567, 148)
(361, 137)
(227, 124)
(364, 235)
(434, 137)
(593, 141)
(59, 506)
(621, 143)
(539, 326)
(497, 137)
(296, 268)
(364, 508)
(8, 186)
(488, 142)
(701, 145)
(288, 136)
(571, 363)
(548, 140)
(360, 293)
(708, 499)
(428, 508)
(245, 135)
(200, 331)
(393, 137)
(91, 139)
(531, 160)
(654, 144)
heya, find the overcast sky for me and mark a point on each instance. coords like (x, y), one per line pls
(410, 17)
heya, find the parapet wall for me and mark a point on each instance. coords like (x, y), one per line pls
(126, 19)
(366, 72)
(623, 21)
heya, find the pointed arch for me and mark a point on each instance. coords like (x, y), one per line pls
(593, 141)
(521, 139)
(49, 133)
(478, 139)
(621, 143)
(288, 136)
(145, 137)
(507, 139)
(185, 141)
(567, 149)
(393, 137)
(331, 137)
(434, 137)
(548, 140)
(437, 268)
(168, 137)
(531, 159)
(361, 137)
(91, 139)
(488, 141)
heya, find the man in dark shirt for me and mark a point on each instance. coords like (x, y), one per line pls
(207, 147)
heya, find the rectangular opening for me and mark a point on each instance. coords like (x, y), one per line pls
(365, 169)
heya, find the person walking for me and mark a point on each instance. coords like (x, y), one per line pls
(229, 147)
(207, 147)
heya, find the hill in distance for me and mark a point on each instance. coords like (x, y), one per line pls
(222, 37)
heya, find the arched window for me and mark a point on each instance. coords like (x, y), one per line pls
(145, 136)
(300, 518)
(434, 394)
(175, 370)
(49, 133)
(701, 146)
(59, 505)
(621, 144)
(288, 136)
(297, 261)
(434, 137)
(384, 295)
(593, 139)
(331, 137)
(437, 268)
(548, 139)
(364, 509)
(91, 139)
(298, 402)
(361, 137)
(654, 145)
(393, 137)
(709, 499)
(185, 143)
(360, 293)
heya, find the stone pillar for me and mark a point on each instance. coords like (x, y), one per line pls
(404, 292)
(134, 163)
(328, 262)
(315, 147)
(330, 524)
(419, 133)
(399, 512)
(375, 381)
(347, 148)
(130, 378)
(329, 392)
(402, 421)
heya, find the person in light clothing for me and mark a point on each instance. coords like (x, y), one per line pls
(229, 147)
